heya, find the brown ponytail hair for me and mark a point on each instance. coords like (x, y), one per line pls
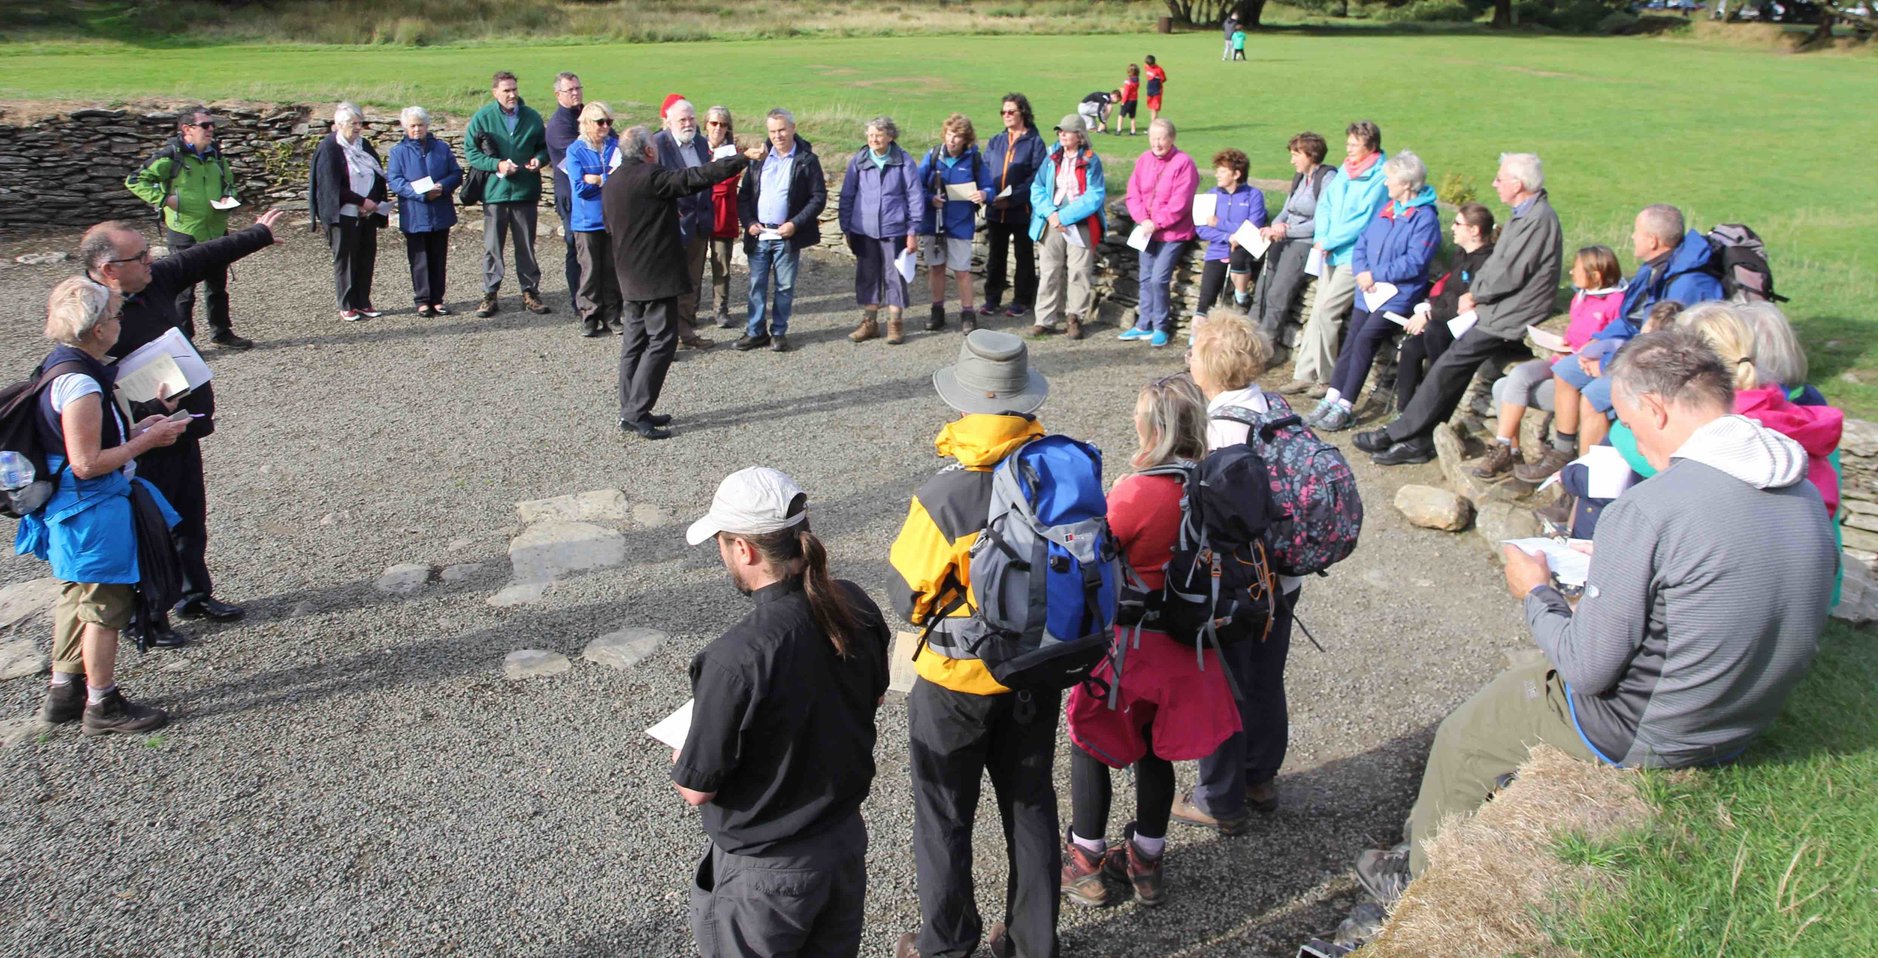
(783, 548)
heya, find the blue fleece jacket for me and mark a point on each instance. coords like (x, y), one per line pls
(1346, 208)
(1232, 210)
(583, 159)
(412, 160)
(935, 174)
(1397, 247)
(1684, 278)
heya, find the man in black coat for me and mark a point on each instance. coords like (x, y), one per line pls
(640, 204)
(780, 204)
(117, 256)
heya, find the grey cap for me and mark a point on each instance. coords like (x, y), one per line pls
(992, 376)
(1072, 123)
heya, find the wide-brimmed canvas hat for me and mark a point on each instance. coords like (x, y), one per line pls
(1072, 123)
(992, 376)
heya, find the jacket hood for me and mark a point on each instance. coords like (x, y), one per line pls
(980, 441)
(1425, 198)
(1816, 428)
(1748, 451)
(1690, 255)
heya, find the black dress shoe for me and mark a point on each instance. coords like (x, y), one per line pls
(746, 343)
(1406, 452)
(209, 607)
(658, 419)
(647, 430)
(232, 341)
(155, 637)
(594, 330)
(1374, 440)
(779, 343)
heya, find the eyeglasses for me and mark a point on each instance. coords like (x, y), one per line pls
(715, 123)
(143, 257)
(1008, 112)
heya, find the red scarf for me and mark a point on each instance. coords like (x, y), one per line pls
(1355, 168)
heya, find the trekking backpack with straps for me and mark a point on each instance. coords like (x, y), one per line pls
(1043, 570)
(19, 433)
(1738, 258)
(1318, 512)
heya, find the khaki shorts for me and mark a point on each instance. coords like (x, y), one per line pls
(108, 604)
(948, 251)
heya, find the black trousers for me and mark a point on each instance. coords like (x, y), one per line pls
(1279, 283)
(1426, 347)
(216, 301)
(805, 900)
(645, 355)
(956, 740)
(1213, 277)
(1091, 792)
(1254, 755)
(1435, 400)
(355, 255)
(176, 471)
(1001, 236)
(564, 205)
(427, 253)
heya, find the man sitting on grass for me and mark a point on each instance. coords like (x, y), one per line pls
(1709, 585)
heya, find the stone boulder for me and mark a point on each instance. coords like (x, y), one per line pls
(625, 648)
(595, 505)
(1498, 521)
(1433, 508)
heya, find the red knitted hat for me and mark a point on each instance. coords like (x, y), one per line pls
(670, 98)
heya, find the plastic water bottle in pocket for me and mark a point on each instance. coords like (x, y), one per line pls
(16, 471)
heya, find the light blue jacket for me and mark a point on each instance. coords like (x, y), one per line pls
(85, 530)
(1088, 206)
(1347, 207)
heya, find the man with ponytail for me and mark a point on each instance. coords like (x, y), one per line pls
(780, 753)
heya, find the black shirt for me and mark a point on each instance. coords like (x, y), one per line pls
(782, 728)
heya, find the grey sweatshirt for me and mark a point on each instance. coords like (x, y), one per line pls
(1709, 585)
(1300, 212)
(1517, 285)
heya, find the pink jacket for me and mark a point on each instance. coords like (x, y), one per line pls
(1161, 190)
(1592, 310)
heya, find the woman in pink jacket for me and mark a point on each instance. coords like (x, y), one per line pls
(1160, 200)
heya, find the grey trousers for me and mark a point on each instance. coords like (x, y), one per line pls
(1276, 292)
(500, 220)
(645, 355)
(1317, 347)
(806, 901)
(597, 298)
(696, 252)
(1063, 277)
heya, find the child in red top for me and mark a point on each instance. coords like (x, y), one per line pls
(1131, 89)
(1157, 78)
(1171, 705)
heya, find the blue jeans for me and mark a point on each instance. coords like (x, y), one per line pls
(778, 258)
(1157, 274)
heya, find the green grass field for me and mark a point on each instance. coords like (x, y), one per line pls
(1723, 131)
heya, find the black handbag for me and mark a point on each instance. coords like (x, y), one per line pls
(160, 573)
(475, 181)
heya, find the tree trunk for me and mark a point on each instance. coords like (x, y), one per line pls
(1502, 13)
(1250, 11)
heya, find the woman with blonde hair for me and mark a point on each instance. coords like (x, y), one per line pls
(956, 180)
(1171, 704)
(590, 160)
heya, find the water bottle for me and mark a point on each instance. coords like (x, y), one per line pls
(16, 471)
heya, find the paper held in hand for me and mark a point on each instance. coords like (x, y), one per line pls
(423, 185)
(1378, 294)
(1462, 323)
(1073, 237)
(1003, 194)
(907, 263)
(1397, 318)
(1569, 565)
(1250, 239)
(1205, 207)
(724, 150)
(1140, 237)
(1314, 263)
(960, 192)
(1548, 340)
(673, 728)
(168, 360)
(225, 203)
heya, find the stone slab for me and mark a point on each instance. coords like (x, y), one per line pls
(547, 551)
(20, 657)
(403, 579)
(460, 571)
(649, 516)
(594, 505)
(624, 648)
(534, 664)
(519, 593)
(23, 602)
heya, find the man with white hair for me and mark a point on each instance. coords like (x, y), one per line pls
(681, 148)
(1514, 289)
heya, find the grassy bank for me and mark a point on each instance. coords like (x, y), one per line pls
(1775, 856)
(1621, 122)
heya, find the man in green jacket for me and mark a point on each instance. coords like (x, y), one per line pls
(508, 140)
(188, 180)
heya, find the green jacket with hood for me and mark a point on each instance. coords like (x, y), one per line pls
(528, 142)
(196, 180)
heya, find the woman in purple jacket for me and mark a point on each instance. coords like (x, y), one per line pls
(1394, 250)
(881, 203)
(1235, 203)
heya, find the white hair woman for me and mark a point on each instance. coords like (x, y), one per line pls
(348, 189)
(880, 213)
(1160, 200)
(590, 159)
(85, 528)
(424, 216)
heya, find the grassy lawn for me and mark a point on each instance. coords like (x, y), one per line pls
(1775, 856)
(1717, 129)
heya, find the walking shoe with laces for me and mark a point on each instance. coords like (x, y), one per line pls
(228, 340)
(1085, 881)
(1158, 339)
(64, 703)
(1497, 463)
(1131, 334)
(1294, 387)
(747, 342)
(1073, 326)
(488, 307)
(532, 302)
(868, 329)
(968, 320)
(1384, 873)
(1542, 468)
(1126, 865)
(119, 715)
(1337, 418)
(1016, 309)
(1188, 812)
(937, 321)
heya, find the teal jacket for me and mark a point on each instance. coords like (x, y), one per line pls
(528, 142)
(195, 181)
(1088, 206)
(1346, 207)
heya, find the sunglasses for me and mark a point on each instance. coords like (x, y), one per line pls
(1008, 112)
(203, 126)
(603, 121)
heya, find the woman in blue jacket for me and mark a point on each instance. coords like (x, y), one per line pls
(590, 159)
(1395, 249)
(879, 214)
(424, 218)
(1235, 203)
(956, 182)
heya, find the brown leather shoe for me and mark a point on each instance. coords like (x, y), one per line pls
(1496, 463)
(1294, 387)
(695, 341)
(1072, 326)
(1188, 813)
(896, 330)
(532, 302)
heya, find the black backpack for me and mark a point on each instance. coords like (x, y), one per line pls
(19, 432)
(1738, 258)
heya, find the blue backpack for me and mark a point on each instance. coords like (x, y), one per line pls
(1044, 569)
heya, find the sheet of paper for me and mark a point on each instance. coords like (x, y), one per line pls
(1607, 475)
(145, 382)
(1140, 237)
(174, 346)
(961, 192)
(423, 185)
(1073, 237)
(907, 263)
(1462, 323)
(1250, 239)
(1377, 295)
(769, 235)
(1548, 340)
(1396, 318)
(724, 150)
(1205, 206)
(225, 203)
(673, 728)
(613, 164)
(1569, 566)
(1003, 194)
(900, 672)
(1314, 263)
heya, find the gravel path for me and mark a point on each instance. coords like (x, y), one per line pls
(349, 772)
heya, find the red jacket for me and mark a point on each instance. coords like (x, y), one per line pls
(724, 209)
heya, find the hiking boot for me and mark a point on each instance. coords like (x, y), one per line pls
(1542, 468)
(64, 703)
(1383, 873)
(1496, 463)
(1128, 866)
(1085, 881)
(1294, 387)
(1262, 798)
(869, 329)
(1072, 326)
(968, 320)
(488, 307)
(117, 714)
(896, 330)
(532, 302)
(937, 321)
(1188, 812)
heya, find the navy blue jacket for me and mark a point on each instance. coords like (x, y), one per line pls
(695, 212)
(1013, 165)
(1397, 246)
(808, 196)
(412, 160)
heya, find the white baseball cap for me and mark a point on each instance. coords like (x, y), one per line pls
(749, 501)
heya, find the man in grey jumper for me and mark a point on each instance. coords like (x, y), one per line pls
(1709, 585)
(1515, 289)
